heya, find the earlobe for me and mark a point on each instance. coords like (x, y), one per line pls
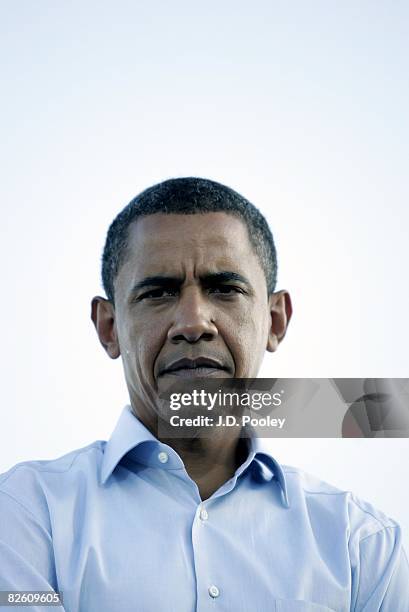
(103, 317)
(280, 315)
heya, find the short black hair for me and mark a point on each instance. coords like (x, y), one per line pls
(186, 196)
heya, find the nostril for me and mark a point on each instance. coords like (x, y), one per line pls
(191, 335)
(207, 337)
(191, 339)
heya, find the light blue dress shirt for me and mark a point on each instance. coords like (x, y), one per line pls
(119, 526)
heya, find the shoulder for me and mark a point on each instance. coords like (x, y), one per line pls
(39, 469)
(359, 517)
(29, 484)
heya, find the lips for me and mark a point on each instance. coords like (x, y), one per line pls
(201, 366)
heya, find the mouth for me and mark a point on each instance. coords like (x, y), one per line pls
(195, 368)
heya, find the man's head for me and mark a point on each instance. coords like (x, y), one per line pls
(187, 196)
(189, 268)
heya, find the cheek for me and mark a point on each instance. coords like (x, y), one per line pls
(145, 341)
(246, 337)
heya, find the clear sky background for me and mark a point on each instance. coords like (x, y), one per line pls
(301, 106)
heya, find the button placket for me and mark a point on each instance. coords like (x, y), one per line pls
(208, 590)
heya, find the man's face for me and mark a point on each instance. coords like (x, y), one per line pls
(191, 301)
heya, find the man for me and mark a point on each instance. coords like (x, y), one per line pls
(153, 523)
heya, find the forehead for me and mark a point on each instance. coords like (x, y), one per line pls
(168, 241)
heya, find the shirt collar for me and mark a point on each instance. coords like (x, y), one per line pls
(130, 432)
(269, 467)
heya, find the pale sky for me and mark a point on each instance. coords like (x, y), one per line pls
(300, 106)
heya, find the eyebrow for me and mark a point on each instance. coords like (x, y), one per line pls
(175, 282)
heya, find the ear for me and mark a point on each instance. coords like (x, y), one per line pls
(103, 317)
(280, 314)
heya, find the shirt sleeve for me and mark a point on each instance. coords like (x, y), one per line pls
(381, 578)
(26, 553)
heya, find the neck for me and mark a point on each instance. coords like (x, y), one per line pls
(209, 461)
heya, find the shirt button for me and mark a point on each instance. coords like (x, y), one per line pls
(214, 591)
(204, 515)
(163, 457)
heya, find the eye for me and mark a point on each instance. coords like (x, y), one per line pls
(225, 289)
(158, 294)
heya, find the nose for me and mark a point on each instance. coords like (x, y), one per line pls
(192, 320)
